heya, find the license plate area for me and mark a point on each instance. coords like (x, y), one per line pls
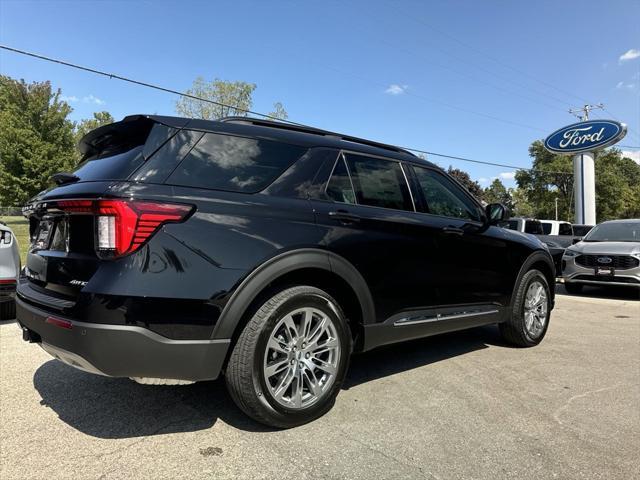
(605, 271)
(52, 234)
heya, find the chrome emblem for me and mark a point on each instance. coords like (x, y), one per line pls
(604, 260)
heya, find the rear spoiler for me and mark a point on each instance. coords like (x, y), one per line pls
(131, 131)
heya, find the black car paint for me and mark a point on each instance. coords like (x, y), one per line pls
(194, 281)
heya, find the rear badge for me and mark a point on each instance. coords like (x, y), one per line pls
(77, 283)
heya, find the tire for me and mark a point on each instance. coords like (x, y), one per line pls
(266, 356)
(522, 329)
(573, 288)
(8, 310)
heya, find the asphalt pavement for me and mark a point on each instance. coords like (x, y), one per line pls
(461, 405)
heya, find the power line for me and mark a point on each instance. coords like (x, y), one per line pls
(176, 92)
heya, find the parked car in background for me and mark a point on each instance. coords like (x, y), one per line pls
(525, 225)
(184, 249)
(581, 230)
(608, 255)
(9, 270)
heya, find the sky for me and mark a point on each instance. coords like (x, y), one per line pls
(480, 80)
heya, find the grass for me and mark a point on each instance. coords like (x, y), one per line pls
(20, 227)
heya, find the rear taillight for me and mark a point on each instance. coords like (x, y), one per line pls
(122, 226)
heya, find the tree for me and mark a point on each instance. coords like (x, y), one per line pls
(36, 138)
(85, 126)
(617, 184)
(464, 178)
(498, 193)
(521, 205)
(231, 99)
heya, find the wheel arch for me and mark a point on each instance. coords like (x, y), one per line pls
(313, 267)
(542, 261)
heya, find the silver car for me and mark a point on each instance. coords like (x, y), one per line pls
(608, 255)
(9, 269)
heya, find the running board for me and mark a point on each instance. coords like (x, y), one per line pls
(440, 317)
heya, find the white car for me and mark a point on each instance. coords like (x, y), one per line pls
(9, 270)
(556, 227)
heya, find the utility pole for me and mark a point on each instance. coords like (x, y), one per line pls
(583, 113)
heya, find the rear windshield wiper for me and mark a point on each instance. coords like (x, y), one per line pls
(62, 178)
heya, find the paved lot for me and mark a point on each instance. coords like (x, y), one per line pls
(462, 405)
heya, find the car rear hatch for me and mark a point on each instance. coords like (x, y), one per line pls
(80, 223)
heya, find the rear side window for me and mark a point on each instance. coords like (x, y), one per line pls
(565, 229)
(546, 228)
(339, 188)
(512, 225)
(237, 164)
(532, 226)
(444, 197)
(379, 183)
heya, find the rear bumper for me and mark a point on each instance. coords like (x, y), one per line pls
(122, 351)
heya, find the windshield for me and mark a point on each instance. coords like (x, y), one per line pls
(615, 232)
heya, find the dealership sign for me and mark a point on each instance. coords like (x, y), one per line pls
(585, 136)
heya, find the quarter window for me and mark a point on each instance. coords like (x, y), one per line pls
(443, 197)
(236, 164)
(379, 183)
(339, 187)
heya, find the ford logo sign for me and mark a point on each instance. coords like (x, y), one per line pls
(604, 260)
(585, 136)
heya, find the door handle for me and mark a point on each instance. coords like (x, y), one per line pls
(344, 216)
(453, 231)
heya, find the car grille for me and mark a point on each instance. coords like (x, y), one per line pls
(620, 262)
(607, 278)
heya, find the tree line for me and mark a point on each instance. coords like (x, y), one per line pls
(38, 139)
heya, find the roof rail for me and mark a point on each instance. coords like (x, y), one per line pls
(312, 130)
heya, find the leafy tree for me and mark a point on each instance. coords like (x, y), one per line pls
(521, 205)
(232, 99)
(617, 184)
(36, 138)
(85, 126)
(498, 193)
(464, 178)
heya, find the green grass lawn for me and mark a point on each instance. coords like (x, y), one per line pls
(20, 227)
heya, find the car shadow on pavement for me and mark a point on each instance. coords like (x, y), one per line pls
(607, 292)
(120, 408)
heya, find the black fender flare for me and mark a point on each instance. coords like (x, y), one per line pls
(284, 263)
(534, 257)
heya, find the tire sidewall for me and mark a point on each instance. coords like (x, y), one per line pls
(311, 298)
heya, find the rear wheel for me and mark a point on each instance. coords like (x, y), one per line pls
(289, 362)
(573, 288)
(531, 310)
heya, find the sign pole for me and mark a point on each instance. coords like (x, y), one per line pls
(584, 182)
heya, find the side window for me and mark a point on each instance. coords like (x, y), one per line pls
(534, 227)
(339, 188)
(565, 229)
(236, 164)
(444, 197)
(546, 228)
(379, 183)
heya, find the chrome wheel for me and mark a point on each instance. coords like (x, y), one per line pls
(535, 309)
(301, 358)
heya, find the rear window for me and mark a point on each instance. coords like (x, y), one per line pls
(110, 167)
(237, 164)
(565, 229)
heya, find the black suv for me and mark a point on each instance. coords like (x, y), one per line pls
(181, 249)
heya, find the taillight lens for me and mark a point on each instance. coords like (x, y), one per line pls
(123, 226)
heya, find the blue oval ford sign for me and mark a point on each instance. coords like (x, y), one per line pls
(585, 136)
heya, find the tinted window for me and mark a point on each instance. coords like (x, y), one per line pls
(339, 187)
(157, 168)
(581, 230)
(110, 167)
(444, 197)
(236, 164)
(546, 228)
(565, 229)
(512, 225)
(379, 183)
(533, 226)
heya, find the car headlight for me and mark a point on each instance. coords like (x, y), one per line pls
(570, 253)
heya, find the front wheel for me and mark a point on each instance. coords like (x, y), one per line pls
(530, 312)
(289, 362)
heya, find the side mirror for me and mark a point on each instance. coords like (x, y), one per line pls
(496, 213)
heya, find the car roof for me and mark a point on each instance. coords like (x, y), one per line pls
(622, 220)
(288, 133)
